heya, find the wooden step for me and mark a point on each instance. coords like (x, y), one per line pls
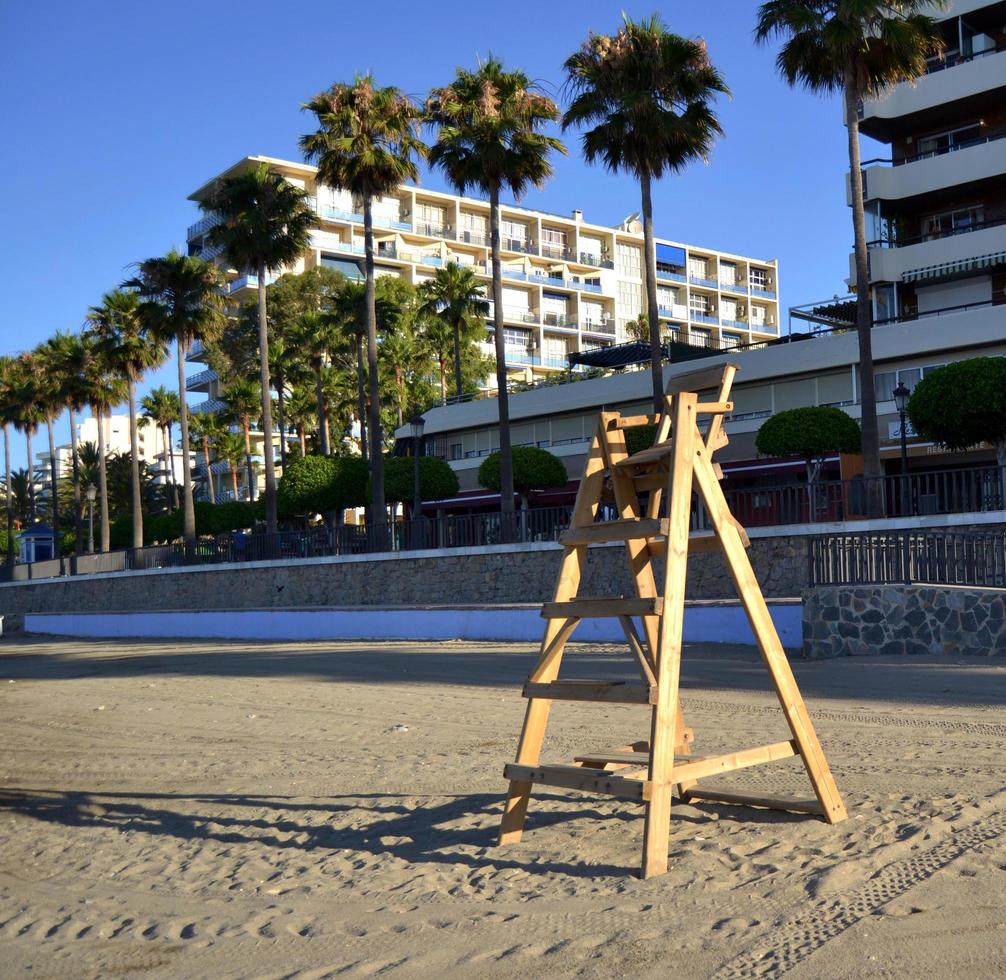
(790, 805)
(647, 457)
(609, 692)
(689, 767)
(623, 530)
(597, 608)
(586, 780)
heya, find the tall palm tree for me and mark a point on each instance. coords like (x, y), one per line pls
(162, 407)
(180, 301)
(301, 408)
(859, 48)
(65, 357)
(455, 295)
(8, 416)
(28, 396)
(243, 403)
(102, 390)
(229, 447)
(489, 136)
(51, 404)
(265, 224)
(204, 427)
(646, 95)
(367, 143)
(130, 351)
(316, 335)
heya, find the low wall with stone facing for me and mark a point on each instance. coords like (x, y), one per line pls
(903, 619)
(499, 574)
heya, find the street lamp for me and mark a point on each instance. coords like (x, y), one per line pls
(901, 396)
(418, 423)
(92, 494)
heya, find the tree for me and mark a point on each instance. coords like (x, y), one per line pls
(306, 485)
(533, 469)
(162, 407)
(300, 410)
(28, 397)
(646, 95)
(265, 223)
(859, 48)
(230, 447)
(367, 143)
(963, 404)
(316, 334)
(489, 136)
(102, 390)
(8, 417)
(437, 481)
(242, 399)
(130, 351)
(180, 302)
(455, 296)
(204, 427)
(813, 432)
(52, 407)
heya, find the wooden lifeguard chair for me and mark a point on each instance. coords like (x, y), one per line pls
(679, 462)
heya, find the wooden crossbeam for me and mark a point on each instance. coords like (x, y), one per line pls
(610, 692)
(785, 803)
(601, 607)
(604, 531)
(581, 778)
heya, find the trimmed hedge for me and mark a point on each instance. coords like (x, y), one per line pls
(809, 432)
(437, 480)
(533, 469)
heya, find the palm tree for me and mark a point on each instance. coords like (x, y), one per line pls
(455, 295)
(301, 408)
(65, 357)
(8, 416)
(316, 335)
(859, 48)
(367, 143)
(28, 397)
(265, 223)
(489, 137)
(204, 428)
(243, 403)
(102, 390)
(51, 404)
(180, 301)
(130, 351)
(645, 93)
(162, 407)
(229, 447)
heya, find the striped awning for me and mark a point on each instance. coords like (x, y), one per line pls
(974, 264)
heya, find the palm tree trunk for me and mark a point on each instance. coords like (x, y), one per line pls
(209, 469)
(32, 513)
(376, 440)
(169, 448)
(250, 472)
(319, 392)
(457, 360)
(441, 363)
(361, 397)
(400, 388)
(864, 315)
(78, 519)
(302, 436)
(8, 486)
(106, 524)
(53, 487)
(134, 466)
(503, 401)
(234, 479)
(188, 509)
(265, 377)
(650, 285)
(281, 416)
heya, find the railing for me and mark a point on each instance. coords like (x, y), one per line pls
(514, 314)
(592, 258)
(587, 287)
(606, 327)
(547, 279)
(434, 231)
(472, 237)
(698, 317)
(676, 312)
(909, 316)
(525, 246)
(952, 61)
(733, 287)
(975, 558)
(203, 225)
(558, 319)
(671, 276)
(943, 151)
(762, 293)
(200, 378)
(700, 281)
(933, 236)
(549, 251)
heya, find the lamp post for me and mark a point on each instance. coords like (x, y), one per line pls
(901, 396)
(417, 422)
(92, 494)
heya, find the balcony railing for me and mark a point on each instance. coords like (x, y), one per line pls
(550, 251)
(909, 316)
(933, 236)
(200, 378)
(675, 312)
(934, 65)
(472, 237)
(433, 260)
(699, 317)
(515, 314)
(669, 276)
(526, 246)
(700, 281)
(547, 279)
(380, 221)
(592, 258)
(587, 287)
(943, 151)
(733, 287)
(203, 225)
(433, 231)
(606, 327)
(558, 319)
(762, 293)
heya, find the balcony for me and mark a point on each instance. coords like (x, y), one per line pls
(604, 327)
(525, 246)
(762, 293)
(677, 311)
(592, 258)
(433, 260)
(550, 360)
(550, 251)
(200, 381)
(196, 351)
(697, 316)
(668, 276)
(473, 238)
(587, 287)
(203, 225)
(380, 221)
(249, 281)
(558, 320)
(739, 322)
(734, 287)
(700, 281)
(431, 231)
(514, 314)
(547, 279)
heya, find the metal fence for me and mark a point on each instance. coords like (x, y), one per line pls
(976, 558)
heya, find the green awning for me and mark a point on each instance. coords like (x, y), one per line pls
(974, 264)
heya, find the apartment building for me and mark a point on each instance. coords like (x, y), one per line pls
(936, 200)
(568, 285)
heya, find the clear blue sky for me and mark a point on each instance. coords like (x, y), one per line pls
(114, 112)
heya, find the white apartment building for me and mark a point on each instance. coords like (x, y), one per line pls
(568, 285)
(936, 203)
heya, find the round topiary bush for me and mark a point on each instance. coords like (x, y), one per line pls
(437, 480)
(811, 432)
(533, 469)
(306, 485)
(349, 487)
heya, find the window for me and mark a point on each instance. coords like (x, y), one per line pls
(728, 309)
(667, 298)
(629, 260)
(516, 339)
(835, 389)
(731, 339)
(954, 139)
(699, 303)
(630, 298)
(953, 222)
(457, 451)
(728, 273)
(758, 314)
(474, 228)
(591, 313)
(430, 218)
(884, 384)
(758, 278)
(697, 266)
(514, 235)
(553, 242)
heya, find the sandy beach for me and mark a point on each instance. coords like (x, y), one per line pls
(204, 809)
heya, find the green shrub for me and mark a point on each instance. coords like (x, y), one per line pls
(350, 486)
(306, 486)
(437, 480)
(639, 437)
(533, 469)
(810, 432)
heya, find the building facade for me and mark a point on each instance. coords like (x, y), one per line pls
(936, 200)
(568, 285)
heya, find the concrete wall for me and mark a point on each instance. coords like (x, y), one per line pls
(902, 619)
(500, 574)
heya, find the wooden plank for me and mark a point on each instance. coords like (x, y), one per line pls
(599, 607)
(788, 804)
(608, 692)
(750, 594)
(667, 714)
(633, 421)
(716, 438)
(581, 778)
(700, 768)
(646, 457)
(699, 379)
(588, 499)
(627, 758)
(643, 661)
(714, 408)
(700, 542)
(621, 530)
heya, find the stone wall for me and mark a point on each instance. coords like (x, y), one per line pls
(500, 574)
(903, 619)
